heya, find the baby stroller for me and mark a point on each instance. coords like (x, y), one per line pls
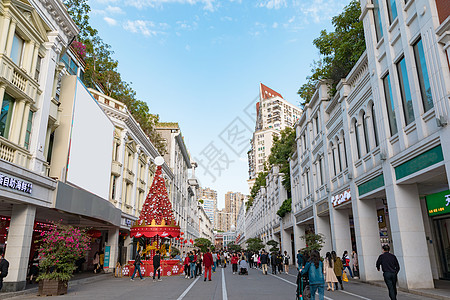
(303, 292)
(243, 271)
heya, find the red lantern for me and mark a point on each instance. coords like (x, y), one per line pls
(181, 233)
(191, 241)
(185, 241)
(94, 233)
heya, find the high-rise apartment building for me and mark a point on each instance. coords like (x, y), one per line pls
(223, 220)
(209, 199)
(233, 202)
(273, 115)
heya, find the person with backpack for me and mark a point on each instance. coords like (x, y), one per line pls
(286, 259)
(314, 269)
(264, 260)
(273, 262)
(4, 266)
(346, 262)
(338, 268)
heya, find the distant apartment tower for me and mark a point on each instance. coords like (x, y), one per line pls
(233, 202)
(223, 220)
(273, 114)
(209, 198)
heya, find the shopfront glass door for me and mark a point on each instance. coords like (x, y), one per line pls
(443, 230)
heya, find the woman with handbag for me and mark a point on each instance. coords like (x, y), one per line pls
(330, 276)
(338, 268)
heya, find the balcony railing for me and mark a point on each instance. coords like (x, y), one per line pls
(18, 77)
(13, 153)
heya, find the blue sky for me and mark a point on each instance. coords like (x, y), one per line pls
(200, 62)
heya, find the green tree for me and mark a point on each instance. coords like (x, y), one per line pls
(339, 51)
(285, 208)
(273, 246)
(254, 244)
(233, 247)
(259, 182)
(313, 242)
(202, 243)
(282, 149)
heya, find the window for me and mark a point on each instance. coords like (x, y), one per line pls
(113, 187)
(338, 145)
(392, 10)
(366, 132)
(317, 124)
(358, 147)
(70, 64)
(6, 115)
(334, 160)
(345, 151)
(50, 147)
(422, 73)
(374, 124)
(37, 71)
(390, 105)
(321, 170)
(28, 132)
(405, 91)
(307, 183)
(377, 19)
(17, 49)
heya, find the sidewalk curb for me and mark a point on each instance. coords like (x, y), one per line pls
(71, 284)
(415, 292)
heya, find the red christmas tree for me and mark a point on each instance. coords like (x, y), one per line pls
(157, 206)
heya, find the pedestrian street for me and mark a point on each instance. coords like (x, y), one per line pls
(224, 285)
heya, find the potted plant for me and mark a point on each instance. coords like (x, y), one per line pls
(60, 247)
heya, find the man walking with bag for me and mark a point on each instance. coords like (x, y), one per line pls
(4, 265)
(390, 266)
(137, 266)
(208, 262)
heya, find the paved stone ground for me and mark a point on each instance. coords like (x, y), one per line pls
(254, 286)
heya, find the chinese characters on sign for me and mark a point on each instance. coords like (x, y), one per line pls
(438, 203)
(15, 184)
(341, 198)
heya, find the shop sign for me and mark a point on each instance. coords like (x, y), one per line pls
(15, 184)
(341, 198)
(107, 256)
(381, 218)
(438, 204)
(126, 222)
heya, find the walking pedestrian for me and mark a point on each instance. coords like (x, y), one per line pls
(330, 276)
(390, 267)
(34, 268)
(338, 268)
(208, 262)
(137, 266)
(300, 259)
(286, 259)
(314, 269)
(96, 262)
(186, 266)
(157, 265)
(258, 261)
(346, 262)
(264, 260)
(273, 263)
(4, 266)
(192, 261)
(234, 263)
(280, 262)
(214, 255)
(198, 267)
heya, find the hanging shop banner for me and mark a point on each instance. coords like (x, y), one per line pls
(341, 198)
(381, 218)
(107, 256)
(438, 204)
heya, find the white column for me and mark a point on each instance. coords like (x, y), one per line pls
(134, 201)
(322, 225)
(4, 33)
(299, 243)
(17, 119)
(113, 242)
(340, 227)
(2, 94)
(23, 130)
(367, 237)
(408, 237)
(9, 41)
(18, 248)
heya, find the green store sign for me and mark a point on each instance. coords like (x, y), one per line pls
(438, 204)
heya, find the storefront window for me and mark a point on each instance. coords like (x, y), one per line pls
(6, 115)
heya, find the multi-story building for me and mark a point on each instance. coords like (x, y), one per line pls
(241, 229)
(381, 142)
(205, 226)
(186, 193)
(274, 114)
(233, 202)
(33, 36)
(208, 199)
(223, 220)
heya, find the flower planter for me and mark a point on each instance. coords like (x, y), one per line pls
(52, 287)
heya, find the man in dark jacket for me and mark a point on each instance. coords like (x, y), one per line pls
(390, 266)
(157, 265)
(137, 266)
(264, 260)
(207, 262)
(4, 265)
(300, 260)
(273, 262)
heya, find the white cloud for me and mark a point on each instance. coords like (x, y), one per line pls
(209, 5)
(275, 25)
(114, 10)
(110, 21)
(188, 48)
(146, 28)
(319, 10)
(273, 4)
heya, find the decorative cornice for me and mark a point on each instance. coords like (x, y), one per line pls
(61, 16)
